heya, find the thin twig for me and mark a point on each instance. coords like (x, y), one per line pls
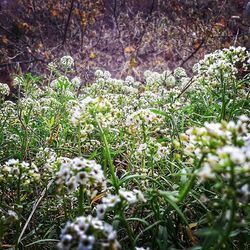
(185, 88)
(34, 209)
(3, 65)
(236, 37)
(68, 21)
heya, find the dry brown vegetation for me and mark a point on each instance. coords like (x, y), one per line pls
(122, 36)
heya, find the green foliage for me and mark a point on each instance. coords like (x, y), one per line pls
(121, 164)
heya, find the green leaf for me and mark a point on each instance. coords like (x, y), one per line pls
(172, 203)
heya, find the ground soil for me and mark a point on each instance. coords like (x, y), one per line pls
(122, 36)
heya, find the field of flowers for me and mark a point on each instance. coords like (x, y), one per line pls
(122, 164)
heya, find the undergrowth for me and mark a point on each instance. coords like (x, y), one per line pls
(120, 164)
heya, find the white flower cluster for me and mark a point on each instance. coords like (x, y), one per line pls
(105, 84)
(222, 64)
(181, 77)
(87, 233)
(24, 171)
(46, 157)
(149, 98)
(90, 110)
(18, 81)
(130, 81)
(7, 218)
(159, 79)
(102, 74)
(221, 146)
(131, 197)
(67, 62)
(52, 66)
(110, 200)
(143, 119)
(76, 81)
(61, 82)
(109, 102)
(180, 72)
(4, 89)
(151, 149)
(80, 171)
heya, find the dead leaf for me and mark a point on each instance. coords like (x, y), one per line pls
(54, 13)
(4, 40)
(84, 19)
(221, 23)
(129, 49)
(92, 55)
(194, 240)
(97, 198)
(24, 26)
(133, 63)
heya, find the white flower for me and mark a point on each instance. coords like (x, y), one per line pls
(13, 214)
(112, 235)
(140, 195)
(129, 81)
(12, 162)
(236, 154)
(214, 129)
(170, 80)
(180, 72)
(245, 190)
(106, 75)
(111, 200)
(76, 81)
(99, 73)
(67, 62)
(4, 89)
(97, 224)
(244, 118)
(80, 171)
(72, 184)
(82, 177)
(161, 153)
(142, 148)
(205, 173)
(129, 196)
(79, 163)
(84, 232)
(83, 223)
(100, 210)
(86, 242)
(52, 66)
(65, 241)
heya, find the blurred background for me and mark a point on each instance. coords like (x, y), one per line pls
(122, 36)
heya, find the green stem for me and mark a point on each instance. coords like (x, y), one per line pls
(65, 207)
(229, 227)
(128, 229)
(223, 110)
(80, 200)
(18, 203)
(144, 133)
(79, 139)
(190, 184)
(234, 99)
(109, 158)
(144, 155)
